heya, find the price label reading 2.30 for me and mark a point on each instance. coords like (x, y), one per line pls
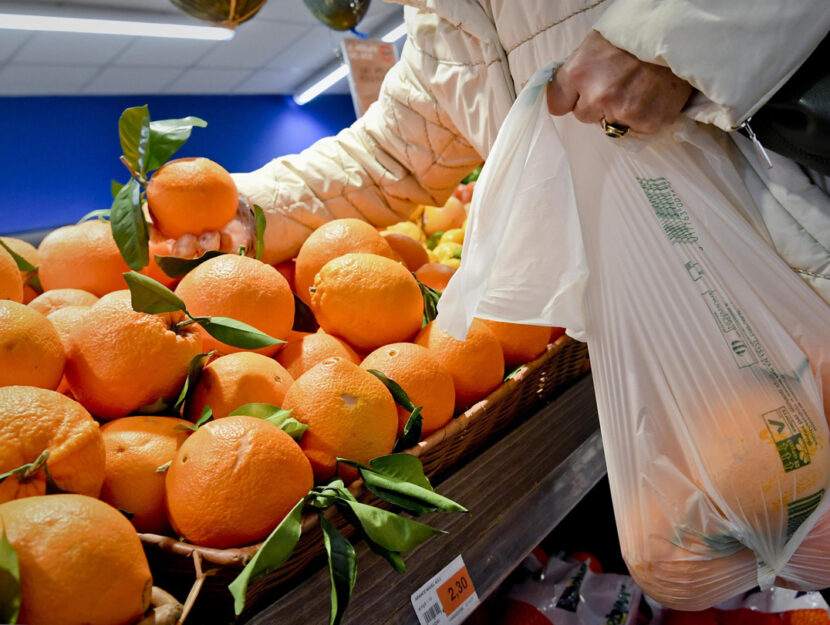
(455, 591)
(448, 598)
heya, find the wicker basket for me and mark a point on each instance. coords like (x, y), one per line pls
(561, 362)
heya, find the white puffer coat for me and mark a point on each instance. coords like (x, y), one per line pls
(441, 107)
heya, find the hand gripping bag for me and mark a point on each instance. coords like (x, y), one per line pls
(710, 356)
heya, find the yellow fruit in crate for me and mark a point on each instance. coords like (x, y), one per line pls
(410, 229)
(456, 235)
(455, 263)
(447, 217)
(432, 258)
(81, 562)
(447, 250)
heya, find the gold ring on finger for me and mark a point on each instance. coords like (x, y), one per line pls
(615, 131)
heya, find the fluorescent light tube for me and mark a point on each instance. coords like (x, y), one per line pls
(13, 21)
(394, 34)
(321, 85)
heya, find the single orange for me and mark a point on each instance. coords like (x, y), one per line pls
(234, 480)
(120, 360)
(11, 282)
(287, 270)
(138, 452)
(555, 333)
(28, 252)
(424, 379)
(81, 562)
(34, 420)
(435, 275)
(411, 251)
(476, 364)
(64, 320)
(333, 239)
(50, 301)
(349, 414)
(368, 300)
(83, 256)
(191, 196)
(31, 352)
(241, 288)
(520, 343)
(237, 379)
(301, 355)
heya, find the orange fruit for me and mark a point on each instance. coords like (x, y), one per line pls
(442, 218)
(120, 360)
(287, 270)
(425, 380)
(476, 364)
(136, 447)
(191, 196)
(64, 320)
(234, 480)
(435, 275)
(411, 251)
(237, 379)
(520, 343)
(50, 301)
(555, 333)
(83, 256)
(31, 352)
(333, 239)
(11, 282)
(301, 355)
(33, 420)
(30, 253)
(368, 300)
(244, 289)
(349, 414)
(81, 562)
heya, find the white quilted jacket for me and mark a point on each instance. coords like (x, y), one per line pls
(441, 106)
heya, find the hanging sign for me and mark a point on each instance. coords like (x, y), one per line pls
(368, 61)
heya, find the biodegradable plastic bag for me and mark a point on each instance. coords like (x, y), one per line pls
(710, 356)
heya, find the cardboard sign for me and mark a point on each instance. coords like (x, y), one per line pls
(368, 61)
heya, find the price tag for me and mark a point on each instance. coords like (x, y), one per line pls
(448, 598)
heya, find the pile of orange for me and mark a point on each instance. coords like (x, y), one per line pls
(99, 384)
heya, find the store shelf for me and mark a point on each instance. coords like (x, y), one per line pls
(517, 491)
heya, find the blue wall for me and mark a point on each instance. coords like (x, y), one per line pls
(58, 155)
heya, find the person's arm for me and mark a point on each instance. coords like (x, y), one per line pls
(737, 54)
(403, 151)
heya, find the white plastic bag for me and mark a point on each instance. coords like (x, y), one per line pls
(710, 357)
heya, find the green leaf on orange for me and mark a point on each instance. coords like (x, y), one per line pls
(236, 333)
(194, 372)
(150, 296)
(411, 434)
(129, 229)
(398, 394)
(275, 415)
(102, 214)
(134, 134)
(177, 267)
(276, 549)
(342, 569)
(431, 297)
(22, 263)
(167, 136)
(260, 230)
(9, 581)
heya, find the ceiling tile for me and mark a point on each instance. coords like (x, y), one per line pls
(11, 41)
(271, 81)
(168, 52)
(19, 79)
(254, 43)
(71, 48)
(128, 80)
(207, 81)
(317, 47)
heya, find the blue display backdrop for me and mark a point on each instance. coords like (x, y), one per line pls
(58, 155)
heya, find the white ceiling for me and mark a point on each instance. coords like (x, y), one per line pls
(275, 52)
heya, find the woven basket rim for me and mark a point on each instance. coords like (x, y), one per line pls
(239, 556)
